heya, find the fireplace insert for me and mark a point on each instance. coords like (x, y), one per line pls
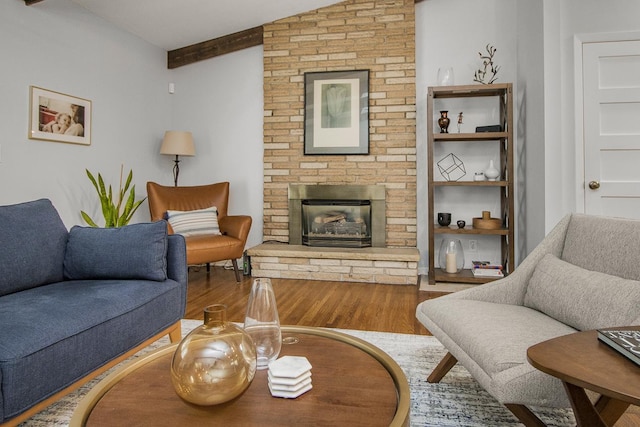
(336, 223)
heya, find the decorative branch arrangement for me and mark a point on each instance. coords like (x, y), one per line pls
(488, 67)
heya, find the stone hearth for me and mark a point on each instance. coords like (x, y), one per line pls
(398, 266)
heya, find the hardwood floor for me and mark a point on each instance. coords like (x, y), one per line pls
(361, 306)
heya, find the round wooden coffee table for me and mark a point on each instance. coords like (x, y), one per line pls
(354, 384)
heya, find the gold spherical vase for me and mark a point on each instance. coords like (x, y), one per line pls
(215, 362)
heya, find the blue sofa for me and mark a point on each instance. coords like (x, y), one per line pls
(75, 303)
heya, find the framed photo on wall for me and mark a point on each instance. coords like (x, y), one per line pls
(336, 112)
(58, 117)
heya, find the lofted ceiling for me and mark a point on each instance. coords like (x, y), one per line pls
(173, 24)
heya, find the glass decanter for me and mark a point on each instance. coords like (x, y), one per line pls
(215, 362)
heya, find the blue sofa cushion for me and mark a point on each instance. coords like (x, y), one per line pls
(53, 335)
(137, 251)
(33, 245)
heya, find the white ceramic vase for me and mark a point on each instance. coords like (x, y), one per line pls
(491, 173)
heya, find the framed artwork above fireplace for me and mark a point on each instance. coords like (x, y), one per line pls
(336, 112)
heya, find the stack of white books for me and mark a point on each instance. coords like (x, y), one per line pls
(486, 269)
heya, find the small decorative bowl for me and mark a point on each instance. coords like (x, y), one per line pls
(461, 223)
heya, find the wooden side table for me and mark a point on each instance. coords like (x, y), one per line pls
(354, 383)
(582, 362)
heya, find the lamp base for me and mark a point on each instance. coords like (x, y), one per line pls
(176, 171)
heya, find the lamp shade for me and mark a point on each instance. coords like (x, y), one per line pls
(178, 143)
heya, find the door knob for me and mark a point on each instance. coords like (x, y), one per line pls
(594, 185)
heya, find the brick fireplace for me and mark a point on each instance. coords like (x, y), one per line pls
(336, 261)
(378, 35)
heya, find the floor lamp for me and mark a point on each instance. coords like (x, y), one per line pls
(177, 143)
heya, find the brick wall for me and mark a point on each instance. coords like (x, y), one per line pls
(378, 35)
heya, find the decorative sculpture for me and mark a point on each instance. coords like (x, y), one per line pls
(489, 67)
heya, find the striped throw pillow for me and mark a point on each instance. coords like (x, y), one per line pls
(195, 223)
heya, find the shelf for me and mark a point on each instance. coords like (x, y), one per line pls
(491, 97)
(470, 183)
(466, 137)
(438, 229)
(470, 90)
(465, 276)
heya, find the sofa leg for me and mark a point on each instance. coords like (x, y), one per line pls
(175, 335)
(208, 267)
(235, 269)
(445, 365)
(525, 415)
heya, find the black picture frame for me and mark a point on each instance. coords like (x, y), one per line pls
(336, 112)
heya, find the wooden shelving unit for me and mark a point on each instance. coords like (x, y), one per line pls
(505, 184)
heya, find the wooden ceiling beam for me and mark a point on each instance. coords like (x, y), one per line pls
(212, 48)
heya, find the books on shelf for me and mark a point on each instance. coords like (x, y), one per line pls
(625, 342)
(485, 264)
(486, 269)
(487, 272)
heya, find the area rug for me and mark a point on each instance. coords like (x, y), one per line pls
(457, 400)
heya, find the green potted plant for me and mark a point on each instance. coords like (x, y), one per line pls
(116, 214)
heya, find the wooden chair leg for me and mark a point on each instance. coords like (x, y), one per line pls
(525, 415)
(235, 269)
(445, 365)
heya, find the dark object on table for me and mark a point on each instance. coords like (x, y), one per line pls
(627, 343)
(461, 223)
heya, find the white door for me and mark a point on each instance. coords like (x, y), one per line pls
(611, 94)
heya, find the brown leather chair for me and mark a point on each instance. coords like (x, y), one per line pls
(209, 248)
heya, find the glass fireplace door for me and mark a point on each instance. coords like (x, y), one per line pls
(336, 223)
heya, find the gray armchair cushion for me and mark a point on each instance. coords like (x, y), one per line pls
(33, 245)
(580, 298)
(137, 251)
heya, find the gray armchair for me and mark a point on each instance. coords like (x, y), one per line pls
(584, 275)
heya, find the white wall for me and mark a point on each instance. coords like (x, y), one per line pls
(451, 34)
(59, 46)
(221, 101)
(529, 127)
(562, 22)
